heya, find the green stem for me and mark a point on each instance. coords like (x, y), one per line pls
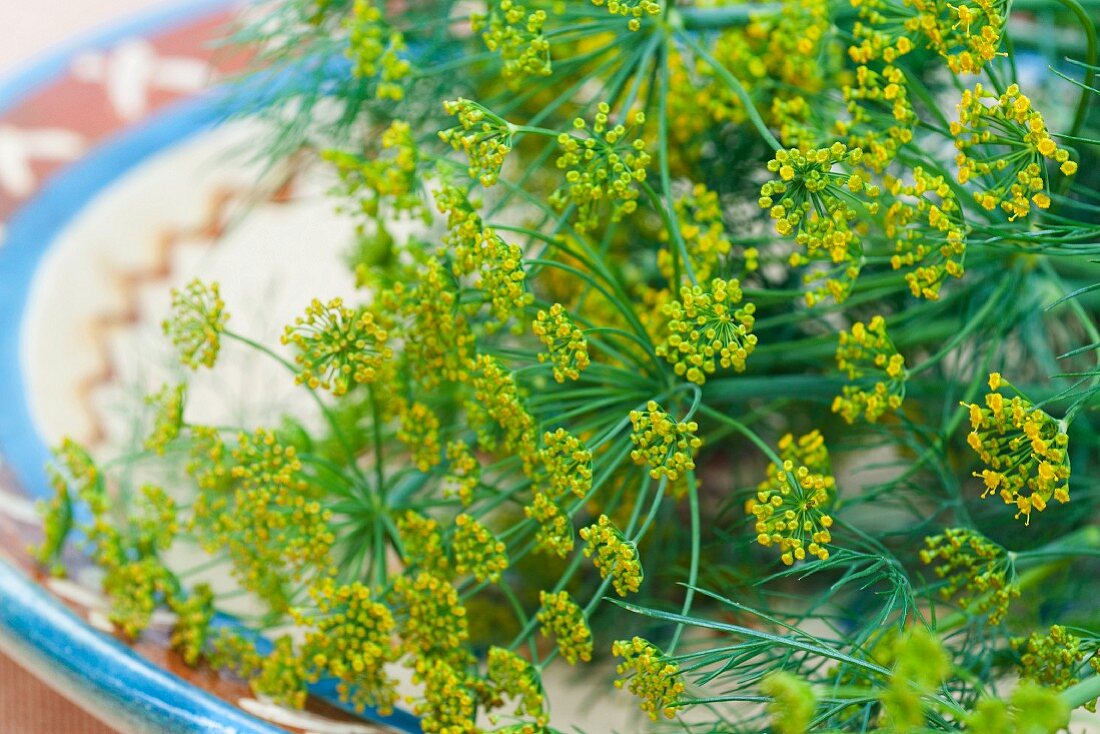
(693, 571)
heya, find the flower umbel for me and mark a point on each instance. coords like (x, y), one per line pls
(338, 346)
(668, 447)
(975, 569)
(563, 620)
(707, 330)
(652, 676)
(1023, 448)
(875, 370)
(791, 505)
(197, 322)
(614, 555)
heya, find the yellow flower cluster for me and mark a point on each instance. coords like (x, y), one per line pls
(973, 567)
(1006, 143)
(1052, 660)
(880, 116)
(484, 137)
(449, 703)
(635, 10)
(419, 432)
(792, 702)
(555, 533)
(928, 233)
(438, 343)
(422, 544)
(167, 416)
(666, 446)
(567, 464)
(375, 50)
(567, 349)
(463, 472)
(350, 638)
(135, 588)
(432, 619)
(338, 346)
(653, 677)
(508, 29)
(496, 411)
(477, 550)
(208, 465)
(814, 203)
(791, 504)
(514, 676)
(867, 353)
(388, 175)
(613, 555)
(1023, 448)
(603, 165)
(191, 631)
(707, 330)
(72, 473)
(273, 524)
(783, 54)
(966, 35)
(197, 322)
(479, 251)
(563, 620)
(703, 230)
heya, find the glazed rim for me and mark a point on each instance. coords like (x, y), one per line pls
(108, 678)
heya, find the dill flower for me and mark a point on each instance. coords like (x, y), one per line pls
(463, 472)
(271, 521)
(567, 465)
(653, 677)
(1052, 660)
(478, 251)
(197, 322)
(432, 619)
(282, 674)
(814, 203)
(375, 51)
(192, 629)
(920, 667)
(705, 331)
(563, 620)
(703, 230)
(420, 433)
(555, 533)
(337, 346)
(603, 165)
(208, 465)
(422, 543)
(867, 353)
(666, 446)
(1023, 448)
(449, 702)
(928, 233)
(567, 349)
(791, 504)
(136, 588)
(439, 343)
(167, 417)
(72, 473)
(388, 174)
(615, 556)
(351, 639)
(1004, 143)
(497, 412)
(635, 10)
(792, 705)
(508, 29)
(513, 676)
(477, 550)
(880, 114)
(483, 136)
(974, 568)
(966, 35)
